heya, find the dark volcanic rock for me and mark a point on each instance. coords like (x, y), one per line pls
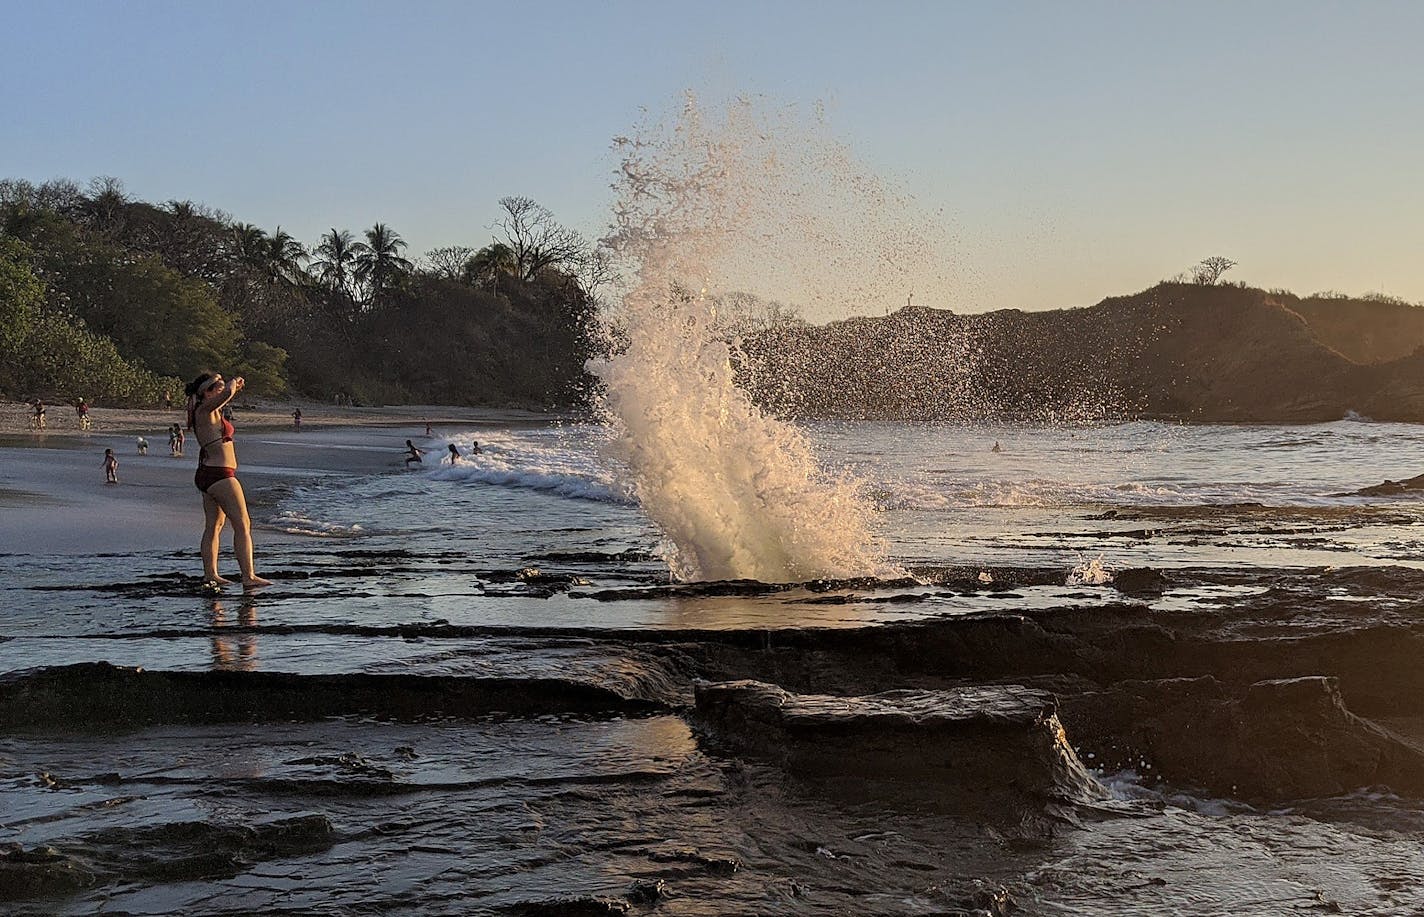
(39, 872)
(1388, 488)
(994, 753)
(1278, 740)
(580, 906)
(178, 852)
(1143, 581)
(100, 694)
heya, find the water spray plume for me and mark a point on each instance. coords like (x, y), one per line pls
(737, 492)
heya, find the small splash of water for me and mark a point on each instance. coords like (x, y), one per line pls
(737, 492)
(296, 523)
(1090, 573)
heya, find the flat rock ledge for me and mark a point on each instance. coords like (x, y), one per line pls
(996, 754)
(1273, 741)
(101, 695)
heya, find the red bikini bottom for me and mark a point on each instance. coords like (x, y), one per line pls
(208, 475)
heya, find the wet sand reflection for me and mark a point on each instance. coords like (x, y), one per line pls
(235, 651)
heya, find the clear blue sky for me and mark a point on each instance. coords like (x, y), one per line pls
(1075, 150)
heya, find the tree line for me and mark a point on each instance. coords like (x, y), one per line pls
(117, 300)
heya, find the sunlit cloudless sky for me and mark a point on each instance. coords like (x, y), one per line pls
(1070, 151)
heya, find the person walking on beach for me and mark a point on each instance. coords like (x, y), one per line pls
(412, 454)
(179, 438)
(142, 446)
(167, 400)
(39, 418)
(82, 409)
(216, 478)
(111, 467)
(297, 418)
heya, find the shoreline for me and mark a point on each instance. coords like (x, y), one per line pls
(53, 499)
(62, 420)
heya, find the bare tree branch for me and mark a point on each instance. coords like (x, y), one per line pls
(448, 263)
(537, 239)
(1209, 270)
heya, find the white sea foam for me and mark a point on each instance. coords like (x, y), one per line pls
(295, 523)
(1130, 786)
(560, 462)
(738, 493)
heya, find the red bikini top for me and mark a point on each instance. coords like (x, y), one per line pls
(227, 431)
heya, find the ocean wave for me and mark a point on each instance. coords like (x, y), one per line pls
(1020, 494)
(564, 462)
(1008, 494)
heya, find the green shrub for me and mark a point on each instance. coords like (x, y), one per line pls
(46, 352)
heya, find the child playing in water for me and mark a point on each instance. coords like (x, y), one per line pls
(412, 454)
(454, 455)
(142, 446)
(111, 467)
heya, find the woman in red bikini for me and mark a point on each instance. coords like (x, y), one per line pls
(223, 499)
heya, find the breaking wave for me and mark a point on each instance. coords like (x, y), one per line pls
(561, 462)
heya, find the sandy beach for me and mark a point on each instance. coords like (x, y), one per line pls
(53, 498)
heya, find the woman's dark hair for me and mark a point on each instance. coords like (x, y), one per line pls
(197, 385)
(194, 390)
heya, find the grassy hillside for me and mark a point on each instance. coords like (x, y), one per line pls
(1370, 330)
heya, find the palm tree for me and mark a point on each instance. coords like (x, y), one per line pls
(380, 266)
(282, 258)
(249, 243)
(183, 211)
(490, 263)
(335, 266)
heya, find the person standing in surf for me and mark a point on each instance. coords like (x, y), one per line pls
(216, 478)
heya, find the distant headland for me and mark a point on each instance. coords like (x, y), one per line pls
(1181, 350)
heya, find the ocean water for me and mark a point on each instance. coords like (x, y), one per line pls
(1136, 494)
(535, 562)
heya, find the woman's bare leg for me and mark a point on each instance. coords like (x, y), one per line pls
(228, 494)
(213, 519)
